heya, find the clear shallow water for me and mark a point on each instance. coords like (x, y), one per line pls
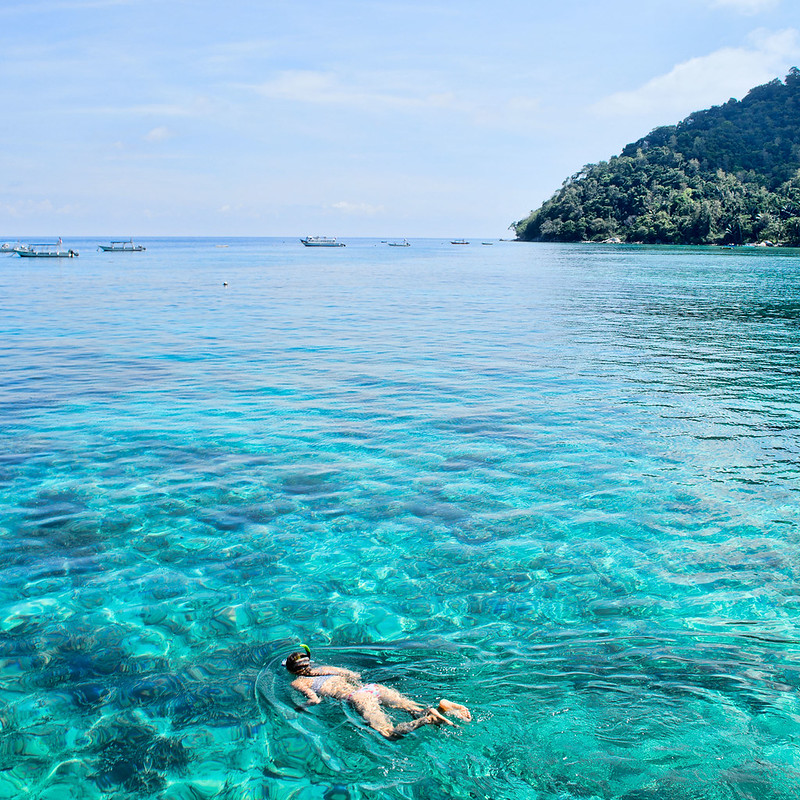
(556, 483)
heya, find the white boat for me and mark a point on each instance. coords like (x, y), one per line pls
(7, 247)
(321, 241)
(122, 247)
(404, 243)
(459, 241)
(48, 250)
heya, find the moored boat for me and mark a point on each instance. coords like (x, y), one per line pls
(7, 247)
(404, 243)
(321, 241)
(126, 246)
(47, 250)
(459, 241)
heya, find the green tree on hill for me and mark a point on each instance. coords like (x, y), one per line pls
(726, 175)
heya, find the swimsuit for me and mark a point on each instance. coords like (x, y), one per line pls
(369, 688)
(316, 684)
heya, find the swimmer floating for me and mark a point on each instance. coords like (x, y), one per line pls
(367, 699)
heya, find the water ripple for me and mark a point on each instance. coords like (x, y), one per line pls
(558, 484)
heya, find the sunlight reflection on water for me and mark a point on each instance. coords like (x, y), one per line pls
(556, 483)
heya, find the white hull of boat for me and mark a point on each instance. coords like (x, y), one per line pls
(108, 249)
(321, 241)
(59, 254)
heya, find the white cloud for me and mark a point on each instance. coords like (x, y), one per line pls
(708, 80)
(195, 107)
(325, 88)
(357, 209)
(400, 92)
(746, 6)
(517, 113)
(70, 5)
(31, 209)
(159, 134)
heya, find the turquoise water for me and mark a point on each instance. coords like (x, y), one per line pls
(556, 483)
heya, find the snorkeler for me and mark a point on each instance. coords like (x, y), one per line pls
(343, 684)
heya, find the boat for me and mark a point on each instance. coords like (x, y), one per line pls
(487, 243)
(7, 247)
(321, 241)
(48, 250)
(459, 241)
(126, 246)
(404, 243)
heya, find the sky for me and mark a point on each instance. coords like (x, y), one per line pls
(397, 118)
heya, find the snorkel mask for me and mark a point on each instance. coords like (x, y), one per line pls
(304, 647)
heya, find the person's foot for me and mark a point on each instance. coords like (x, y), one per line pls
(449, 707)
(437, 718)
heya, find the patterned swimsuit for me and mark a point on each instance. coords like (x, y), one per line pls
(368, 688)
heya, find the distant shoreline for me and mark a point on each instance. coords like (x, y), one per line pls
(747, 246)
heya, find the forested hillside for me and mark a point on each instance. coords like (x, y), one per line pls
(726, 175)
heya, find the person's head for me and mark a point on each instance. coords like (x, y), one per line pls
(298, 662)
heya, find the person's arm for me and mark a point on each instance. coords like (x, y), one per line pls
(306, 691)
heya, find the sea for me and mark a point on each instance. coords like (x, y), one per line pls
(555, 483)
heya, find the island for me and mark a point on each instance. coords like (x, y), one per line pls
(727, 175)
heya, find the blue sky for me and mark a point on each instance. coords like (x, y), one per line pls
(357, 118)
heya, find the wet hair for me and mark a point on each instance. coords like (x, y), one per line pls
(292, 662)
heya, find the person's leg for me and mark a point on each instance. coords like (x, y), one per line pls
(373, 715)
(430, 717)
(393, 699)
(370, 710)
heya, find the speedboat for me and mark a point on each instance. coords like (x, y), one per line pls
(321, 241)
